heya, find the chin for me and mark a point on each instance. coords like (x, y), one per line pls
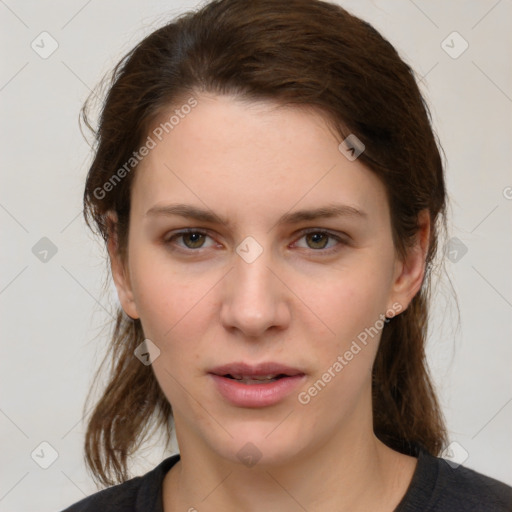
(261, 445)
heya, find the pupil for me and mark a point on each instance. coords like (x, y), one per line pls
(195, 237)
(317, 238)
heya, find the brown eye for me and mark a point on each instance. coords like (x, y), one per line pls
(190, 240)
(317, 240)
(193, 240)
(320, 241)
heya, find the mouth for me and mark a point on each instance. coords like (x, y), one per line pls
(255, 374)
(258, 379)
(259, 385)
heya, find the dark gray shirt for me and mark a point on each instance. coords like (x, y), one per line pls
(436, 486)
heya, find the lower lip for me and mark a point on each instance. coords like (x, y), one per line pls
(256, 395)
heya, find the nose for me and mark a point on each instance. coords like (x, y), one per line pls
(255, 299)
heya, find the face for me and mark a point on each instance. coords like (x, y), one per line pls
(257, 248)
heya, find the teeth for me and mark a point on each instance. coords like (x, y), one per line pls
(262, 377)
(249, 381)
(255, 380)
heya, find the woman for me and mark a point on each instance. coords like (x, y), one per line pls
(271, 194)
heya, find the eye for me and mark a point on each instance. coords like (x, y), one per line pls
(320, 240)
(192, 239)
(315, 239)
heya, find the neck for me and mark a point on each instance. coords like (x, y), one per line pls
(360, 474)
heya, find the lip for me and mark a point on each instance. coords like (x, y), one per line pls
(256, 395)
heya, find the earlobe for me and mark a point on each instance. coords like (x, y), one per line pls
(120, 273)
(409, 272)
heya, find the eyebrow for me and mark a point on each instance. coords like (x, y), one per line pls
(206, 215)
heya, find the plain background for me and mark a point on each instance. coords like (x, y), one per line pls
(53, 311)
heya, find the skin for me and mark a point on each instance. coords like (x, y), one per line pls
(297, 303)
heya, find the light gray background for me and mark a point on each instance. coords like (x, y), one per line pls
(53, 312)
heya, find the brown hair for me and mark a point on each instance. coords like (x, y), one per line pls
(298, 52)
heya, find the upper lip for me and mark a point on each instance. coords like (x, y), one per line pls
(257, 370)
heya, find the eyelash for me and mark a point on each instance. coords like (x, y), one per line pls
(168, 241)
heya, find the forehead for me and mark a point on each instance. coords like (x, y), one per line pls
(253, 158)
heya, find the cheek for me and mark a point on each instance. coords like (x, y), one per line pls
(175, 311)
(353, 309)
(349, 302)
(352, 306)
(171, 304)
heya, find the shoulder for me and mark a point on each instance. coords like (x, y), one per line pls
(141, 493)
(439, 485)
(119, 497)
(469, 490)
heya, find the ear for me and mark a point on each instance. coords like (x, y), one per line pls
(410, 271)
(120, 273)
